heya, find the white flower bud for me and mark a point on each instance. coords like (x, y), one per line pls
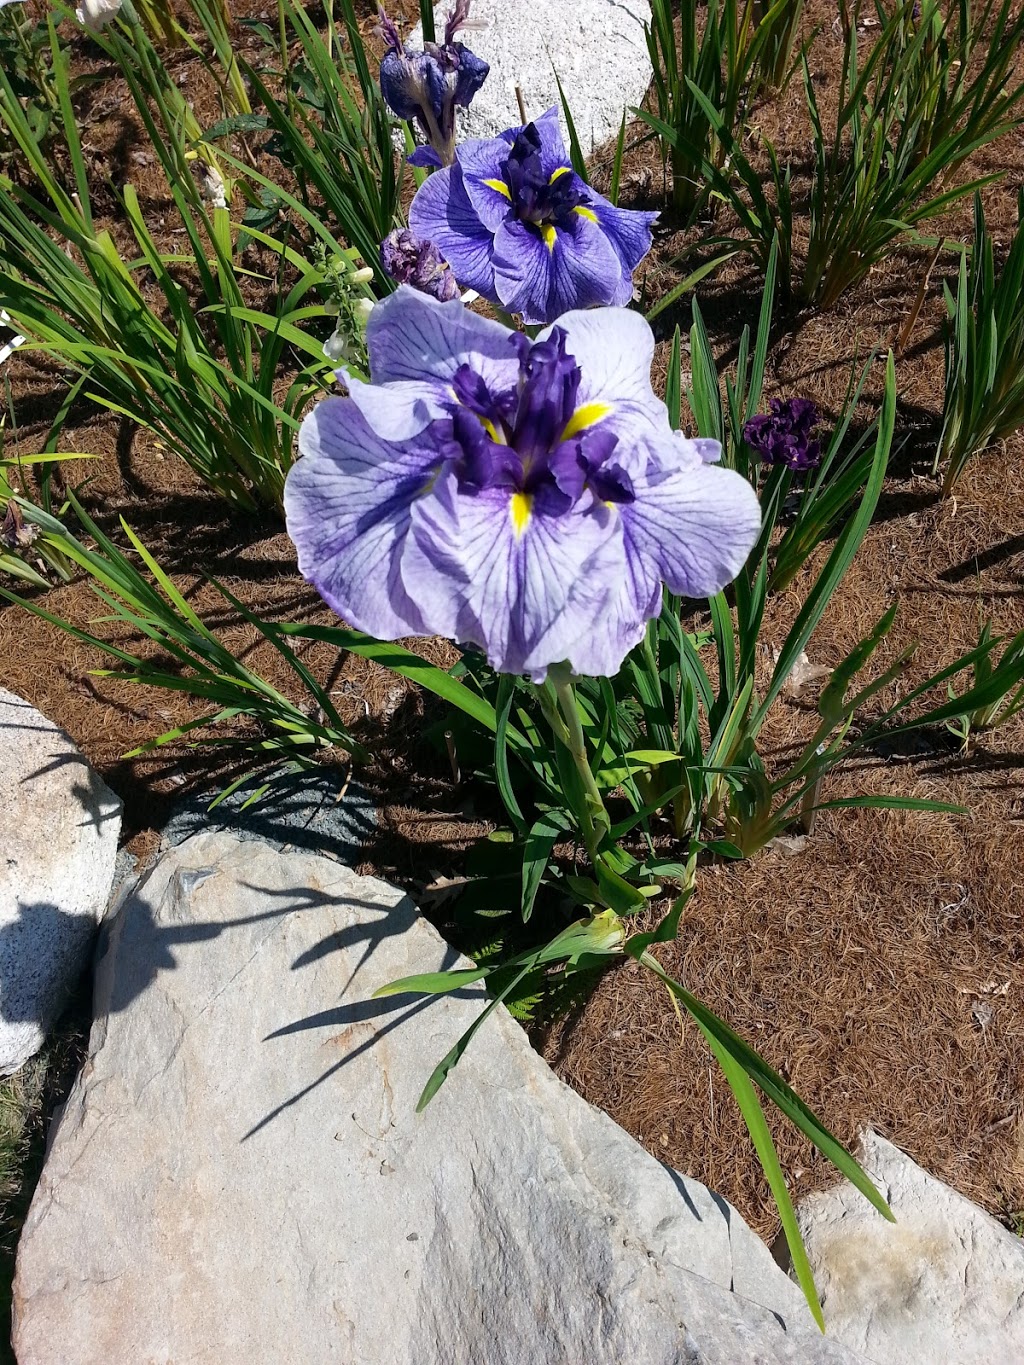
(363, 276)
(336, 347)
(212, 188)
(97, 14)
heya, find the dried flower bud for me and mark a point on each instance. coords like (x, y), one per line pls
(409, 260)
(16, 533)
(426, 87)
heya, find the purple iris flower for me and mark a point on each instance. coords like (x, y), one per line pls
(519, 226)
(410, 261)
(530, 498)
(785, 434)
(425, 88)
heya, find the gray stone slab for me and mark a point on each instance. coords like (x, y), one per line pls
(944, 1285)
(59, 826)
(239, 1174)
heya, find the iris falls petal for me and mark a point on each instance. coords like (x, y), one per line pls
(347, 503)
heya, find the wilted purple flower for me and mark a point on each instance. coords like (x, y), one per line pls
(528, 497)
(410, 261)
(785, 435)
(519, 226)
(15, 532)
(425, 88)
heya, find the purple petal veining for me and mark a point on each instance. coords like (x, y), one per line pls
(528, 497)
(518, 225)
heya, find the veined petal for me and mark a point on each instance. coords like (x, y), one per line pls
(541, 279)
(523, 586)
(600, 653)
(614, 348)
(417, 343)
(628, 230)
(347, 505)
(441, 212)
(398, 411)
(691, 528)
(482, 163)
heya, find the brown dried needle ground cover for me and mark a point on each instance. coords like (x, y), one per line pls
(880, 968)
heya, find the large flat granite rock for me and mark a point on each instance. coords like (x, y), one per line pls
(58, 841)
(239, 1175)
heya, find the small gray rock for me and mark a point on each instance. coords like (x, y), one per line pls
(596, 47)
(240, 1176)
(944, 1285)
(58, 840)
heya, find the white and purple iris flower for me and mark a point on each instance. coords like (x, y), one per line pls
(517, 224)
(527, 497)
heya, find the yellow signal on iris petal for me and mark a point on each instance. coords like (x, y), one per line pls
(562, 170)
(519, 508)
(585, 213)
(500, 186)
(584, 417)
(549, 234)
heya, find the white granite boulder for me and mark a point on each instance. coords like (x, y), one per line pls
(239, 1174)
(944, 1285)
(58, 839)
(596, 47)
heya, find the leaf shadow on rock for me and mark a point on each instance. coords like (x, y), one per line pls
(41, 952)
(135, 950)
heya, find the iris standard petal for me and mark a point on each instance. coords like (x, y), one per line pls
(542, 279)
(347, 505)
(441, 212)
(415, 339)
(524, 588)
(552, 144)
(614, 348)
(397, 411)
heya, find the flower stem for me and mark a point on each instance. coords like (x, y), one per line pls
(596, 823)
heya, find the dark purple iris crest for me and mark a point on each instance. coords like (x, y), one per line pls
(514, 439)
(785, 434)
(535, 197)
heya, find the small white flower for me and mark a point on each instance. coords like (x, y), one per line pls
(211, 186)
(363, 276)
(364, 307)
(337, 347)
(97, 14)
